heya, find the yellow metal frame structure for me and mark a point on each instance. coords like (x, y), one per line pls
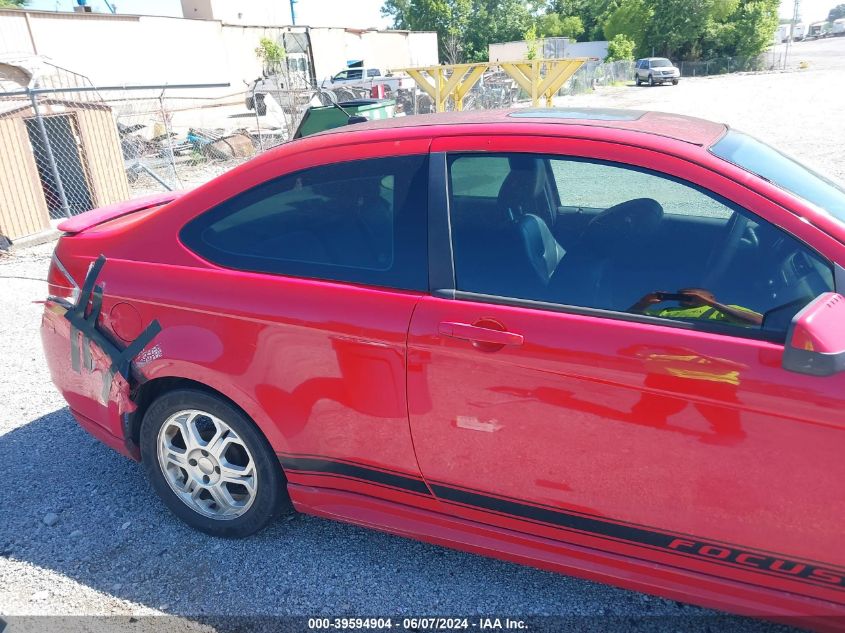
(538, 77)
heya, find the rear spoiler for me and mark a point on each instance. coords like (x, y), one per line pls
(83, 221)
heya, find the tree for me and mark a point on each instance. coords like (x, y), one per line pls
(468, 26)
(271, 54)
(531, 41)
(677, 26)
(836, 12)
(619, 48)
(754, 24)
(5, 4)
(555, 25)
(426, 15)
(630, 19)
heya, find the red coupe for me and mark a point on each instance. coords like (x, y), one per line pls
(608, 343)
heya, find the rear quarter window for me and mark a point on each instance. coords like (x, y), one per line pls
(359, 221)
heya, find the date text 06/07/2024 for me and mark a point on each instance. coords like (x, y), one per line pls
(418, 623)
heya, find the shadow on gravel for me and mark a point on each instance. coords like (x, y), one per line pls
(113, 535)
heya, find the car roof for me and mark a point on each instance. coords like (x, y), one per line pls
(675, 126)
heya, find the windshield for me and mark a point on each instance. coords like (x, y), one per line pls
(660, 63)
(765, 161)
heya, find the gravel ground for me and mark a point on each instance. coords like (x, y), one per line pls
(798, 111)
(82, 534)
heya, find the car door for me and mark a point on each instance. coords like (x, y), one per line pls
(585, 399)
(330, 261)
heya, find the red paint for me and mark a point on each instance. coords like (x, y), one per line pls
(714, 475)
(819, 327)
(83, 221)
(125, 321)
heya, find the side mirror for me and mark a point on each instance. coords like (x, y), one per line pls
(815, 342)
(356, 118)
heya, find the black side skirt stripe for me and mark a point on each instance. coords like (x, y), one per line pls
(695, 548)
(318, 465)
(769, 564)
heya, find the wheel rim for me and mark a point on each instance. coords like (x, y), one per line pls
(207, 464)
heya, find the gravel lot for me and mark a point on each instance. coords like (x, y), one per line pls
(82, 534)
(798, 111)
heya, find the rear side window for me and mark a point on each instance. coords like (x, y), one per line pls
(373, 72)
(359, 221)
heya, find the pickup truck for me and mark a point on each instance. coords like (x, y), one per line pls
(365, 79)
(348, 84)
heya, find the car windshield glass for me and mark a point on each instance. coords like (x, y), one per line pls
(660, 63)
(767, 162)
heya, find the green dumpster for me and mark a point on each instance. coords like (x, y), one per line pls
(319, 118)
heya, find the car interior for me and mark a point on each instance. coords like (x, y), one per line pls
(524, 243)
(342, 222)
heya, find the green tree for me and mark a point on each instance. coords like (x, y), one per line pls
(5, 4)
(555, 25)
(271, 54)
(619, 48)
(836, 12)
(753, 25)
(630, 18)
(677, 27)
(470, 25)
(425, 15)
(530, 37)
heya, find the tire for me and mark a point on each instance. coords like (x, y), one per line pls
(636, 79)
(674, 82)
(238, 468)
(651, 81)
(249, 102)
(260, 106)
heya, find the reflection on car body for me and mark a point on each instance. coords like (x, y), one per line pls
(608, 345)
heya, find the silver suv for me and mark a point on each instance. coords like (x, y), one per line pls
(656, 70)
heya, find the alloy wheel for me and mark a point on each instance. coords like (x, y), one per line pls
(207, 464)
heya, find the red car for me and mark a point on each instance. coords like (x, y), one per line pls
(607, 343)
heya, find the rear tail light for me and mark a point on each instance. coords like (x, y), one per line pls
(60, 283)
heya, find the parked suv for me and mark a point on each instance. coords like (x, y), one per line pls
(656, 70)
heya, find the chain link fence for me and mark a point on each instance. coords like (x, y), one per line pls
(724, 65)
(67, 146)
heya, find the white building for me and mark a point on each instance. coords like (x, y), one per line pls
(135, 49)
(263, 12)
(549, 48)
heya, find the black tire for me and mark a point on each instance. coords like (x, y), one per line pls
(260, 106)
(636, 79)
(249, 102)
(674, 82)
(270, 499)
(651, 81)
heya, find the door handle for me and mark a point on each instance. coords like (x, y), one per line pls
(479, 334)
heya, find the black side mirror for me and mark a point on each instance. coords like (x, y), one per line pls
(356, 118)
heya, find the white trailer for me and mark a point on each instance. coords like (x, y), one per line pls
(838, 27)
(799, 32)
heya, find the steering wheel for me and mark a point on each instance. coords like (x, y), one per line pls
(724, 252)
(696, 297)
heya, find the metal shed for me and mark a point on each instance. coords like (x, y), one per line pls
(60, 153)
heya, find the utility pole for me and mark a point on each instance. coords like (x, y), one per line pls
(292, 12)
(795, 12)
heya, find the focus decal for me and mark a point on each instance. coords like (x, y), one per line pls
(688, 546)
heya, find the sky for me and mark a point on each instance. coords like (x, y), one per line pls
(352, 13)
